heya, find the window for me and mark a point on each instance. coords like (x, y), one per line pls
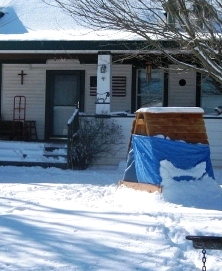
(211, 94)
(202, 12)
(199, 14)
(150, 93)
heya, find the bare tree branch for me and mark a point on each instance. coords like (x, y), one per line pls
(195, 26)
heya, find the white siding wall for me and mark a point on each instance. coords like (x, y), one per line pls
(34, 88)
(181, 95)
(90, 106)
(123, 103)
(214, 133)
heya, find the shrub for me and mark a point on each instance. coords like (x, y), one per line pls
(95, 136)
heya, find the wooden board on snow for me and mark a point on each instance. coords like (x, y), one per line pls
(151, 188)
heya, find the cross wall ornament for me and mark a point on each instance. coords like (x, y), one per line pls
(22, 74)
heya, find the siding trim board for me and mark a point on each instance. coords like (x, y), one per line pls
(78, 45)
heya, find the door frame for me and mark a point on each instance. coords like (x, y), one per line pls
(50, 92)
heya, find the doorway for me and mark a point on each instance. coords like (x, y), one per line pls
(64, 93)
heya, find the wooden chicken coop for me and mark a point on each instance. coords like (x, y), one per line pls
(174, 123)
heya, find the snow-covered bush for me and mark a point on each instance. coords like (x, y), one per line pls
(95, 137)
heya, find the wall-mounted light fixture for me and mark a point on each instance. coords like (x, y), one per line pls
(103, 68)
(148, 71)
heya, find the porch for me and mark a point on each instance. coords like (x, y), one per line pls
(56, 153)
(25, 150)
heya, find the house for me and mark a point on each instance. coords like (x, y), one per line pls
(50, 66)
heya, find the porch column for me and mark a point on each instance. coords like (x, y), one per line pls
(104, 83)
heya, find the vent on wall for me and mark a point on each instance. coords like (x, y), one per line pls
(93, 85)
(118, 86)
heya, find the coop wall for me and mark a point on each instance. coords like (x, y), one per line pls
(189, 127)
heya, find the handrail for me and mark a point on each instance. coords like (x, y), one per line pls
(73, 126)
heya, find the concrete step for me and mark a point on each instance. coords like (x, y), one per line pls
(19, 153)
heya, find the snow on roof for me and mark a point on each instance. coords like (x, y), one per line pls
(170, 110)
(35, 20)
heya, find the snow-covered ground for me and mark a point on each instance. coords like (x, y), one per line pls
(52, 219)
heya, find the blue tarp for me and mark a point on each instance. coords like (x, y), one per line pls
(147, 152)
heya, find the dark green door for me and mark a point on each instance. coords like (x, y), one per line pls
(63, 97)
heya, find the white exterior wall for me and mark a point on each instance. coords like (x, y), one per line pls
(90, 106)
(181, 95)
(123, 103)
(34, 88)
(214, 133)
